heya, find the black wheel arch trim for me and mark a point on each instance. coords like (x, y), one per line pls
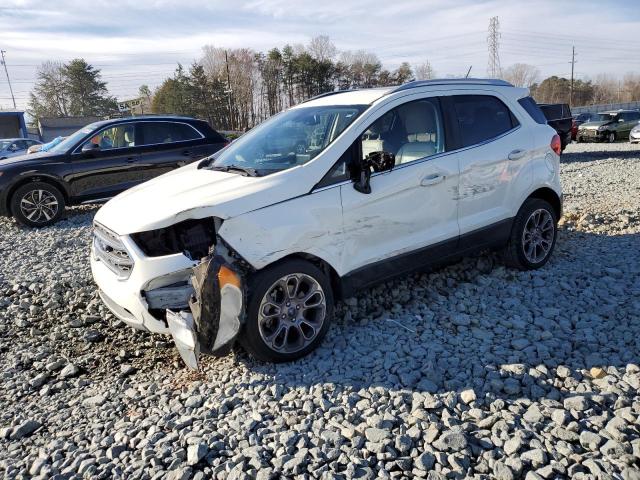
(29, 177)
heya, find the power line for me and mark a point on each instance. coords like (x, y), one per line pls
(493, 40)
(2, 52)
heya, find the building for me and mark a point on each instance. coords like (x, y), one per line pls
(50, 128)
(12, 124)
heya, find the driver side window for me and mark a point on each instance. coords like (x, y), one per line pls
(411, 131)
(118, 136)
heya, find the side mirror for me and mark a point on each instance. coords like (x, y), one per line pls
(379, 162)
(90, 148)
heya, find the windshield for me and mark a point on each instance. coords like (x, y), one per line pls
(72, 139)
(605, 117)
(4, 144)
(289, 139)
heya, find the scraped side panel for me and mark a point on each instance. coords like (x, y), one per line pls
(308, 224)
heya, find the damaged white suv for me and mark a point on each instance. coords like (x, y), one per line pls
(257, 242)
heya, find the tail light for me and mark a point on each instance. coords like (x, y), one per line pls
(556, 144)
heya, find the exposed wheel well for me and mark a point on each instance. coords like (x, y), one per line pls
(35, 178)
(334, 278)
(550, 196)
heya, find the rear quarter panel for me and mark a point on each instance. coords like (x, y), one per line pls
(544, 165)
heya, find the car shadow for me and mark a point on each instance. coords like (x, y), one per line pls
(603, 154)
(502, 332)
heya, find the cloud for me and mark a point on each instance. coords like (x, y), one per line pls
(138, 42)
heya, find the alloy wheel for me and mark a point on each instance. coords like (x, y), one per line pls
(292, 313)
(39, 205)
(538, 235)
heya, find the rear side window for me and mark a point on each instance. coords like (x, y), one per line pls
(154, 133)
(532, 108)
(552, 112)
(481, 118)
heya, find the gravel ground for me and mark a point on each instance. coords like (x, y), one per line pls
(470, 371)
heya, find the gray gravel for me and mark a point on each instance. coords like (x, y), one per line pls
(470, 371)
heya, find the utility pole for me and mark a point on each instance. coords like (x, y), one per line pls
(493, 43)
(2, 52)
(229, 91)
(573, 62)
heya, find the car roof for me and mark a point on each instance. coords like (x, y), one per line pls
(13, 139)
(364, 96)
(613, 112)
(367, 96)
(146, 118)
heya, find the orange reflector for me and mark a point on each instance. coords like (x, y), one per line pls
(226, 276)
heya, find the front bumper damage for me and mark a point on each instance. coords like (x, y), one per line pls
(215, 310)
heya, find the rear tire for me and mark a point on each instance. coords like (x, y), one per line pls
(533, 236)
(611, 137)
(284, 325)
(37, 204)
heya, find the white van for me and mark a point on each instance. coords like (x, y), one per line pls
(257, 242)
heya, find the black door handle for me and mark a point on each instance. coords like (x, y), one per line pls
(186, 153)
(131, 159)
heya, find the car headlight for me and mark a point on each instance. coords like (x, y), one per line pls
(602, 128)
(190, 237)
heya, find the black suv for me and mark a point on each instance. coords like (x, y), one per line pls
(99, 161)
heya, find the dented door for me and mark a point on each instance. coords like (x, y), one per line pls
(412, 207)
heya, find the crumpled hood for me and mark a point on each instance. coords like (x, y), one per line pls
(191, 193)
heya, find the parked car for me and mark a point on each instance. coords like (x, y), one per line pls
(578, 120)
(331, 196)
(12, 147)
(559, 117)
(609, 126)
(634, 134)
(99, 161)
(44, 147)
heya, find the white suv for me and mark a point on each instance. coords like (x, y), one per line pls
(348, 189)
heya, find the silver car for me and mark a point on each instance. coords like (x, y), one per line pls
(634, 134)
(12, 147)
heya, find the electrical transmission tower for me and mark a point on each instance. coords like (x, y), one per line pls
(493, 42)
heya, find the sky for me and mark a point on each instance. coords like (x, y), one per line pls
(140, 42)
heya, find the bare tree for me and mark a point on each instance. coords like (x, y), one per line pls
(521, 75)
(605, 89)
(425, 71)
(631, 87)
(321, 48)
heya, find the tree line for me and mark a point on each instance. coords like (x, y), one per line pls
(235, 89)
(601, 90)
(70, 89)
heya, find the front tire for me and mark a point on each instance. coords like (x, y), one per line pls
(611, 137)
(37, 204)
(533, 236)
(290, 308)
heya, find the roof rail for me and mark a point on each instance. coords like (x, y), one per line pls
(451, 81)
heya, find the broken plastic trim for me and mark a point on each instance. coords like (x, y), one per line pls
(216, 307)
(183, 332)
